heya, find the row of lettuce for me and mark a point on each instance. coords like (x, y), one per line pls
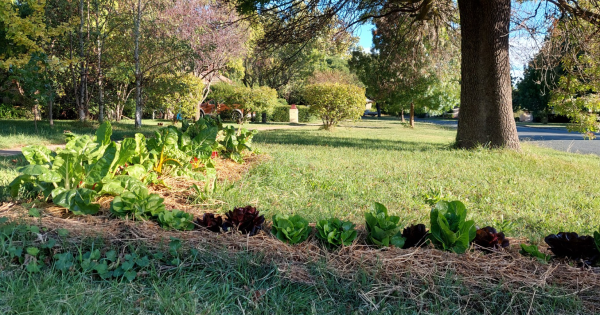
(90, 167)
(449, 231)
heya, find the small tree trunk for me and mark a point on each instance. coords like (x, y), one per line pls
(486, 115)
(100, 74)
(378, 109)
(412, 114)
(82, 93)
(50, 105)
(138, 74)
(402, 115)
(264, 117)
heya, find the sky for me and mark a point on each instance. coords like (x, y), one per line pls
(522, 45)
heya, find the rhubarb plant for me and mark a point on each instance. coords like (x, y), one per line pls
(450, 229)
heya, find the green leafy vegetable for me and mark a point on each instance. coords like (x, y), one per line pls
(79, 201)
(290, 229)
(176, 220)
(336, 232)
(532, 250)
(383, 230)
(140, 205)
(450, 229)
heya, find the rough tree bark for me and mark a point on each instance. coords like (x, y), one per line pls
(486, 115)
(138, 74)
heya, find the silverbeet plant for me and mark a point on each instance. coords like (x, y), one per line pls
(245, 219)
(335, 232)
(450, 229)
(384, 230)
(290, 229)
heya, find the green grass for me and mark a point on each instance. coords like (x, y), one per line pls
(19, 133)
(244, 283)
(319, 174)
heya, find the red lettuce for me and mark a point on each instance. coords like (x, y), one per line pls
(415, 235)
(211, 222)
(571, 245)
(488, 237)
(245, 220)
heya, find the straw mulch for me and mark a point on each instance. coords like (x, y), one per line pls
(398, 270)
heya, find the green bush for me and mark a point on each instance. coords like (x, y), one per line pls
(333, 102)
(281, 113)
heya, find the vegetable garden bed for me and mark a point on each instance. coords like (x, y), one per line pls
(403, 272)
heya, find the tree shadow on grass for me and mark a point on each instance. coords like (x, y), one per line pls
(56, 134)
(320, 138)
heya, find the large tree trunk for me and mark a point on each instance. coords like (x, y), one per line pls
(138, 74)
(486, 116)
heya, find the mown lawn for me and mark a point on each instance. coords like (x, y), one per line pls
(320, 174)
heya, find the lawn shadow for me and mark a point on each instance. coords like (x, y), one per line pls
(56, 134)
(320, 138)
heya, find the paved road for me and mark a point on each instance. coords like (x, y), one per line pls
(553, 137)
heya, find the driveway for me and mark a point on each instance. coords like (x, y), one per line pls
(557, 138)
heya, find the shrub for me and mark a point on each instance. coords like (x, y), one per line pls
(334, 102)
(335, 232)
(282, 114)
(290, 229)
(450, 229)
(383, 229)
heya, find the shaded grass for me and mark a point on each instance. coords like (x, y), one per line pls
(247, 283)
(320, 174)
(19, 133)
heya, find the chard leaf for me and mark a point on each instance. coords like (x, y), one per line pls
(38, 154)
(103, 133)
(102, 168)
